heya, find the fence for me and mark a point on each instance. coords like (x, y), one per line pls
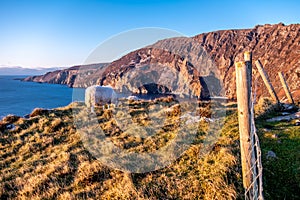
(249, 141)
(255, 189)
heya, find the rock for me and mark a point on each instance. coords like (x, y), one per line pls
(190, 118)
(289, 108)
(284, 118)
(206, 119)
(193, 120)
(285, 113)
(266, 129)
(10, 126)
(133, 98)
(271, 155)
(274, 136)
(27, 116)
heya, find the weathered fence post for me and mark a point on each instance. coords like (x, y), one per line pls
(266, 80)
(243, 87)
(286, 88)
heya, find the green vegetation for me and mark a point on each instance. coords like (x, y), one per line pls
(282, 173)
(43, 157)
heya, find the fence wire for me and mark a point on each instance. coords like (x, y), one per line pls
(255, 189)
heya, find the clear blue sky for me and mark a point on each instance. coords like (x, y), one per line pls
(63, 33)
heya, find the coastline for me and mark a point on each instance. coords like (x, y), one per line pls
(20, 98)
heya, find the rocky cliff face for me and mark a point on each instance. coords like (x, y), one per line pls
(277, 46)
(68, 76)
(152, 70)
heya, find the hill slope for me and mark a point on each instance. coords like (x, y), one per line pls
(277, 46)
(43, 157)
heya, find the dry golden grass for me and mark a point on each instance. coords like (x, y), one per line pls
(44, 158)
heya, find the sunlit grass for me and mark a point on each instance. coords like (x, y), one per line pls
(43, 157)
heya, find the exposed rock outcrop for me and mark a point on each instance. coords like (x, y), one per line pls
(277, 46)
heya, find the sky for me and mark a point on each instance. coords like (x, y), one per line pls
(62, 33)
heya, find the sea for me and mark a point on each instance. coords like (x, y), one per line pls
(20, 98)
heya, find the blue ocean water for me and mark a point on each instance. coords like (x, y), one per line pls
(20, 98)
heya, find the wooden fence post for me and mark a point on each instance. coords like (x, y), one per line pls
(243, 87)
(266, 80)
(286, 88)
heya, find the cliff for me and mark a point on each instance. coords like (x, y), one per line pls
(67, 76)
(277, 46)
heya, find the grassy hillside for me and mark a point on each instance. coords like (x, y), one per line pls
(43, 157)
